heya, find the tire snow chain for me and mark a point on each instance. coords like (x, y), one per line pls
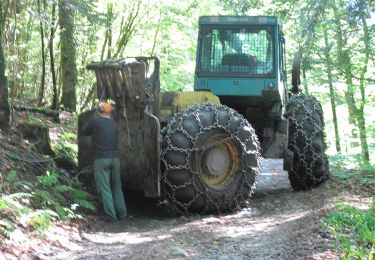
(310, 105)
(178, 207)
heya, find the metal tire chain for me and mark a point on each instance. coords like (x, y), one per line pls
(176, 125)
(303, 175)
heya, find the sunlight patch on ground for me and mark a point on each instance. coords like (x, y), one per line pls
(124, 237)
(356, 201)
(253, 227)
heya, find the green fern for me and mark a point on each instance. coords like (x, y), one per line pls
(62, 212)
(11, 177)
(6, 227)
(78, 193)
(41, 198)
(63, 188)
(49, 179)
(85, 204)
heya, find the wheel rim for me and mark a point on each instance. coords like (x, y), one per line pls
(218, 162)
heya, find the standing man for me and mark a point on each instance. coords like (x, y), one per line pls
(104, 132)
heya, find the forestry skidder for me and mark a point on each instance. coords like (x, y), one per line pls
(199, 151)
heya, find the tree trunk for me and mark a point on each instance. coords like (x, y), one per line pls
(109, 50)
(68, 55)
(43, 76)
(89, 97)
(305, 87)
(45, 111)
(156, 34)
(110, 17)
(356, 114)
(52, 59)
(4, 102)
(363, 70)
(332, 95)
(108, 32)
(127, 29)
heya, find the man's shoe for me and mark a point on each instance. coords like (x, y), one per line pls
(110, 219)
(126, 217)
(122, 217)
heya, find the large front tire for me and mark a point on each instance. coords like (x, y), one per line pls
(210, 155)
(306, 141)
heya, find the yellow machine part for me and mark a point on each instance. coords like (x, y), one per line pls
(172, 102)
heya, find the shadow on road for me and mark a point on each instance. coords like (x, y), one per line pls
(271, 180)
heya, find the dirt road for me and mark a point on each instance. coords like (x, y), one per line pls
(279, 224)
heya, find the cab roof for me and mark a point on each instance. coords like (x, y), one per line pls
(249, 20)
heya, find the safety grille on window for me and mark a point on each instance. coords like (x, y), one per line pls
(245, 51)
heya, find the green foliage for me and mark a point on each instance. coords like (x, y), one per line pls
(63, 212)
(10, 210)
(15, 183)
(354, 231)
(84, 203)
(39, 221)
(11, 178)
(76, 195)
(240, 7)
(352, 168)
(34, 120)
(67, 149)
(50, 199)
(42, 198)
(61, 197)
(14, 204)
(7, 209)
(48, 179)
(6, 227)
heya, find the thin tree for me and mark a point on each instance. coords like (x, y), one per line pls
(52, 59)
(68, 54)
(109, 18)
(356, 113)
(362, 72)
(128, 27)
(4, 102)
(43, 75)
(332, 94)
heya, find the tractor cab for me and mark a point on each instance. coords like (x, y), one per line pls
(242, 61)
(240, 56)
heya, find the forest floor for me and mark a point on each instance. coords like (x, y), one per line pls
(278, 224)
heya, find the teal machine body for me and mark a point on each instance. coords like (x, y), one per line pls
(241, 59)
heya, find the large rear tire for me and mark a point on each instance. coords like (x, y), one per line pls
(306, 141)
(210, 158)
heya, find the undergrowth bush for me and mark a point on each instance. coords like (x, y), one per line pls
(49, 199)
(354, 231)
(351, 167)
(39, 221)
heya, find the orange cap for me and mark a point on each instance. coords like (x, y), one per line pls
(105, 108)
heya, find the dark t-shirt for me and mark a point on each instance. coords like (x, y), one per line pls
(104, 134)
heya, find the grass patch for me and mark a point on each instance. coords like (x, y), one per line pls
(354, 231)
(39, 221)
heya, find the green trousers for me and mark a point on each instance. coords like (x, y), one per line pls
(108, 183)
